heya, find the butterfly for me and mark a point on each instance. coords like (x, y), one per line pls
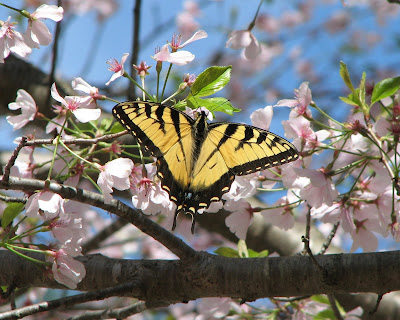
(197, 161)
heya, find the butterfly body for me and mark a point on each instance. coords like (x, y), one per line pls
(197, 161)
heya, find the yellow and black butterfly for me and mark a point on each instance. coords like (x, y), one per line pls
(197, 161)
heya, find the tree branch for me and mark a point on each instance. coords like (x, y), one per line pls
(170, 241)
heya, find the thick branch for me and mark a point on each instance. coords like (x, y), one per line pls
(216, 276)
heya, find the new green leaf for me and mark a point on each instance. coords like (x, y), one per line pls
(344, 73)
(210, 81)
(9, 213)
(385, 88)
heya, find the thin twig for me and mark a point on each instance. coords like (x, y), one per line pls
(308, 250)
(67, 301)
(12, 199)
(378, 301)
(135, 47)
(122, 313)
(335, 309)
(328, 241)
(95, 242)
(11, 162)
(39, 142)
(308, 228)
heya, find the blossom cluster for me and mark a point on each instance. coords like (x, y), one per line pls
(37, 34)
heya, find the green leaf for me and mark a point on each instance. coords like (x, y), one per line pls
(106, 123)
(344, 73)
(320, 298)
(385, 88)
(325, 314)
(210, 81)
(348, 101)
(212, 104)
(362, 88)
(9, 213)
(227, 252)
(255, 254)
(353, 99)
(117, 127)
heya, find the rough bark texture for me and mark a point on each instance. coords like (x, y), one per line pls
(215, 276)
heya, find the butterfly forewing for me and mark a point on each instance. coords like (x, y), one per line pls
(156, 127)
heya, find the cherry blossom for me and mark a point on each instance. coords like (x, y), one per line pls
(45, 204)
(114, 174)
(142, 69)
(93, 95)
(57, 122)
(147, 194)
(28, 108)
(77, 105)
(117, 68)
(193, 113)
(301, 102)
(68, 228)
(176, 40)
(244, 39)
(104, 8)
(66, 270)
(11, 41)
(240, 218)
(319, 190)
(242, 187)
(179, 58)
(37, 32)
(262, 118)
(185, 20)
(282, 215)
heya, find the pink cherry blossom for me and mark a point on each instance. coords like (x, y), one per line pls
(77, 105)
(147, 194)
(301, 102)
(185, 20)
(335, 213)
(320, 188)
(57, 122)
(68, 229)
(66, 270)
(244, 39)
(22, 169)
(114, 174)
(240, 218)
(93, 95)
(262, 118)
(242, 187)
(214, 308)
(11, 41)
(45, 204)
(28, 108)
(282, 215)
(179, 58)
(176, 40)
(37, 32)
(117, 67)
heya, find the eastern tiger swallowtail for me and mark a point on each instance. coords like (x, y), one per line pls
(197, 161)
